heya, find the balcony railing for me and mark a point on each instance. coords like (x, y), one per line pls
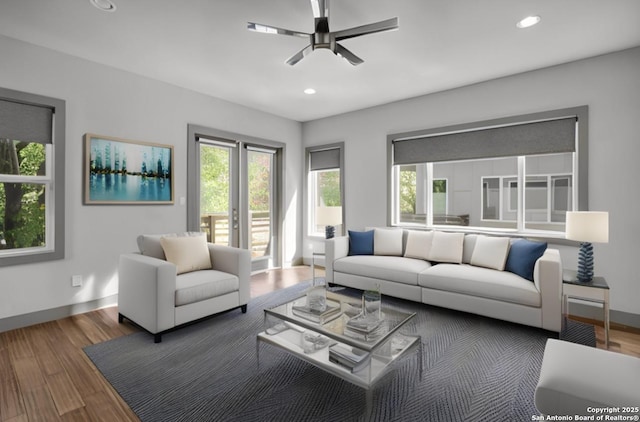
(260, 226)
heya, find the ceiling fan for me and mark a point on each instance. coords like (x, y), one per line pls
(322, 37)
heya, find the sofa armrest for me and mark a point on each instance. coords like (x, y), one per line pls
(146, 291)
(334, 248)
(547, 276)
(234, 261)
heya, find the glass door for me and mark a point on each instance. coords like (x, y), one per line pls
(261, 218)
(234, 192)
(219, 192)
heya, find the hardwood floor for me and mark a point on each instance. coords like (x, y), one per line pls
(45, 375)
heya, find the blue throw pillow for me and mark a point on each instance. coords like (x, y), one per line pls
(523, 255)
(361, 243)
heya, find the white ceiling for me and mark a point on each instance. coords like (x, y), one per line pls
(203, 45)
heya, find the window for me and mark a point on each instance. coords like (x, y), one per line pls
(518, 173)
(31, 178)
(413, 195)
(325, 188)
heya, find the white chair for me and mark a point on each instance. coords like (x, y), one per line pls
(194, 279)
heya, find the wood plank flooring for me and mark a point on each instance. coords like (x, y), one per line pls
(45, 375)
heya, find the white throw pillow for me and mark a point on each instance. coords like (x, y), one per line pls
(418, 244)
(387, 242)
(446, 247)
(491, 252)
(188, 253)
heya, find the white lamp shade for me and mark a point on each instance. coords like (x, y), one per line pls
(328, 216)
(588, 226)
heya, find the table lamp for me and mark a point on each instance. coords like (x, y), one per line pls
(587, 227)
(329, 217)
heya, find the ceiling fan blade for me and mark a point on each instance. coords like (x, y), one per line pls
(320, 8)
(299, 55)
(348, 55)
(266, 29)
(372, 28)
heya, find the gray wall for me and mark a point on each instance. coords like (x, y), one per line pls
(110, 102)
(608, 84)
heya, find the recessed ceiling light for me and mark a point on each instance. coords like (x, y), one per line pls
(528, 21)
(309, 91)
(104, 5)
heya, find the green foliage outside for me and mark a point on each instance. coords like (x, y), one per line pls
(259, 168)
(22, 205)
(408, 189)
(214, 180)
(329, 188)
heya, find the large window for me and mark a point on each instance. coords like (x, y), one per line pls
(520, 174)
(31, 178)
(325, 188)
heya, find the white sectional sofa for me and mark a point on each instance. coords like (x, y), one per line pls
(471, 273)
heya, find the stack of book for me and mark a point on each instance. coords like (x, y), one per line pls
(363, 327)
(348, 357)
(331, 312)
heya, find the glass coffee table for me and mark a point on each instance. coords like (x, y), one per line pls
(393, 341)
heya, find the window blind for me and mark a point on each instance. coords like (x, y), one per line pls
(325, 159)
(542, 137)
(25, 122)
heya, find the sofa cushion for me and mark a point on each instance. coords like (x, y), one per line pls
(446, 247)
(201, 285)
(390, 268)
(481, 282)
(187, 253)
(361, 243)
(418, 244)
(490, 252)
(149, 244)
(387, 242)
(523, 256)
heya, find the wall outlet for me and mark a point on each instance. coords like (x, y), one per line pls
(76, 281)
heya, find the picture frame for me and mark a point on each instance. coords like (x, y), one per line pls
(121, 171)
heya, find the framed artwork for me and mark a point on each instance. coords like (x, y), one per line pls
(118, 171)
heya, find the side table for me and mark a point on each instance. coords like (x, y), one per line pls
(595, 291)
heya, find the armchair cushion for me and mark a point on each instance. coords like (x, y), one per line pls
(188, 253)
(201, 285)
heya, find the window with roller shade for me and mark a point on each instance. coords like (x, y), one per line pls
(521, 173)
(325, 187)
(31, 178)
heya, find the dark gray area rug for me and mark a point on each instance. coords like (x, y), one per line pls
(475, 369)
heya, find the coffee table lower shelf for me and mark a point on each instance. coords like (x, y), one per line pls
(289, 341)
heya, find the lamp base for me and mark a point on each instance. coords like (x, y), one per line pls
(585, 262)
(329, 232)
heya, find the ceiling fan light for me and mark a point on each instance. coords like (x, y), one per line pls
(104, 5)
(309, 91)
(528, 22)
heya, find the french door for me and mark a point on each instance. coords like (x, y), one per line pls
(236, 185)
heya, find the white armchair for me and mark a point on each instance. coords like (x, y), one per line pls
(159, 295)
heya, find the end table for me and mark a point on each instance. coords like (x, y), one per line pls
(595, 291)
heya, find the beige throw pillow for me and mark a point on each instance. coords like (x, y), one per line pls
(418, 244)
(387, 242)
(446, 247)
(491, 252)
(189, 253)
